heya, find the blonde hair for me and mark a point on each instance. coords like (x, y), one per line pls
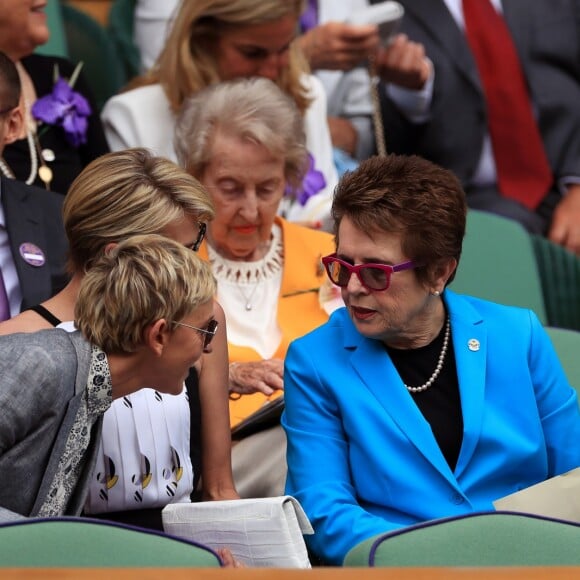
(126, 193)
(136, 283)
(187, 63)
(250, 109)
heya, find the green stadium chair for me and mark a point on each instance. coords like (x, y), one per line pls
(84, 542)
(56, 45)
(120, 28)
(560, 278)
(498, 263)
(567, 345)
(481, 539)
(89, 43)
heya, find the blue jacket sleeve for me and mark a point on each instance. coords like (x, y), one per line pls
(318, 463)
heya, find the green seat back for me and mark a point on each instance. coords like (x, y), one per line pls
(498, 263)
(80, 542)
(56, 45)
(89, 43)
(484, 539)
(567, 345)
(560, 277)
(120, 27)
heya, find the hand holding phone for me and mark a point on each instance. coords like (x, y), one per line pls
(386, 15)
(338, 45)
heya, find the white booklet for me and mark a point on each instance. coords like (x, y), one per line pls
(262, 532)
(557, 497)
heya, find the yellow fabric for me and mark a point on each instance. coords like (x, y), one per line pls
(297, 313)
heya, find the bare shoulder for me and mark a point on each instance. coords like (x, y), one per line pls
(27, 321)
(218, 312)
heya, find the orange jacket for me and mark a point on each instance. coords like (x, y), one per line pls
(299, 312)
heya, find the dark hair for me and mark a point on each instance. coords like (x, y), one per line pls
(411, 196)
(9, 84)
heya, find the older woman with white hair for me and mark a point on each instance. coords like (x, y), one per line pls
(244, 141)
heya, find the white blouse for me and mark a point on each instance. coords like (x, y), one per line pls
(144, 457)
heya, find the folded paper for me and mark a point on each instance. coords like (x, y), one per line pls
(557, 497)
(262, 532)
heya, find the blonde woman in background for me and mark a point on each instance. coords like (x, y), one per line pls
(217, 40)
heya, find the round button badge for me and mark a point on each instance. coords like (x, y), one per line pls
(32, 254)
(473, 344)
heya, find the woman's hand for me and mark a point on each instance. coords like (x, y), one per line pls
(339, 46)
(228, 559)
(265, 376)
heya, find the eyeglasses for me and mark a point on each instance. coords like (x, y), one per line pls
(200, 237)
(374, 277)
(208, 332)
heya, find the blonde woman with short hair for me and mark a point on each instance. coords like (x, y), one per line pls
(57, 385)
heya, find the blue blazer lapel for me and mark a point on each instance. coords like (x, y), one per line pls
(378, 374)
(469, 334)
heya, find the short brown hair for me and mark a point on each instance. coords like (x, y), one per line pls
(135, 283)
(126, 193)
(407, 195)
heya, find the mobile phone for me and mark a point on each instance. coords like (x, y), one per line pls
(386, 15)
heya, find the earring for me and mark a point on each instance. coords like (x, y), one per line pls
(435, 293)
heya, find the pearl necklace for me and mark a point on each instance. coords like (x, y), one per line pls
(439, 366)
(7, 171)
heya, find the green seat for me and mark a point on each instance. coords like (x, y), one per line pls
(89, 43)
(120, 27)
(83, 542)
(567, 345)
(560, 277)
(56, 45)
(498, 263)
(481, 539)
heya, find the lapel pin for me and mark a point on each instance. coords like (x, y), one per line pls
(473, 344)
(32, 254)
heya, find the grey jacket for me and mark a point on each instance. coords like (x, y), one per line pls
(43, 377)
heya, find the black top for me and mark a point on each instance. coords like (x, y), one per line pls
(46, 314)
(440, 403)
(69, 161)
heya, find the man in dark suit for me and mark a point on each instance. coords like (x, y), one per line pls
(454, 130)
(33, 243)
(36, 238)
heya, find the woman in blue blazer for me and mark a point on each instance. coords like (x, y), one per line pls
(413, 402)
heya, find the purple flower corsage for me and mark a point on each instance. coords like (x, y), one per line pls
(312, 184)
(66, 108)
